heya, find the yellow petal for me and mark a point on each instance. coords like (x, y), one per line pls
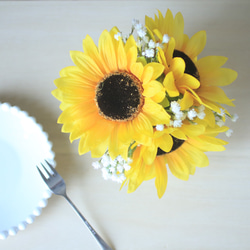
(165, 142)
(121, 57)
(91, 50)
(178, 30)
(178, 67)
(187, 101)
(210, 63)
(131, 57)
(169, 84)
(196, 44)
(152, 88)
(214, 94)
(219, 77)
(178, 166)
(107, 51)
(142, 125)
(149, 154)
(71, 71)
(137, 70)
(155, 112)
(188, 81)
(161, 176)
(88, 66)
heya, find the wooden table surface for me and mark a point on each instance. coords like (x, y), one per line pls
(210, 211)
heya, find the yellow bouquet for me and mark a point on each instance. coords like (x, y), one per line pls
(144, 102)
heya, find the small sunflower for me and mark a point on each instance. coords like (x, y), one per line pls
(206, 70)
(108, 99)
(182, 158)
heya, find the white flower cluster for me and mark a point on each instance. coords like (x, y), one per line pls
(220, 120)
(179, 116)
(112, 169)
(147, 46)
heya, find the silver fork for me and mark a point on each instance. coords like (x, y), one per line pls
(57, 185)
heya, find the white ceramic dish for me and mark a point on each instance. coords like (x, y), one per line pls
(23, 145)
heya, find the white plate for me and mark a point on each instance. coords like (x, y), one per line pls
(23, 145)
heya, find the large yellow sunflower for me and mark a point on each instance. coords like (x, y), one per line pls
(108, 99)
(182, 157)
(207, 70)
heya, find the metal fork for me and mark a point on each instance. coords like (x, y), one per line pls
(57, 185)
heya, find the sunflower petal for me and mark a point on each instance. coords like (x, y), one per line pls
(178, 67)
(196, 44)
(91, 50)
(161, 178)
(210, 63)
(88, 66)
(107, 51)
(219, 77)
(155, 112)
(214, 94)
(169, 85)
(187, 101)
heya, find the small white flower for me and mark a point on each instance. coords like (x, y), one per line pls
(191, 114)
(96, 165)
(127, 167)
(229, 132)
(177, 123)
(165, 38)
(117, 36)
(149, 53)
(151, 44)
(234, 118)
(201, 115)
(141, 33)
(201, 108)
(113, 162)
(220, 123)
(120, 168)
(105, 160)
(159, 127)
(134, 22)
(175, 107)
(179, 115)
(145, 39)
(112, 169)
(119, 159)
(138, 26)
(129, 161)
(222, 112)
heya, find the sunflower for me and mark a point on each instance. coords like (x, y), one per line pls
(208, 70)
(182, 157)
(109, 100)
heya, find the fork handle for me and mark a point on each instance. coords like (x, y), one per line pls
(102, 243)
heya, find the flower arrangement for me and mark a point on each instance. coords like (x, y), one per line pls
(143, 103)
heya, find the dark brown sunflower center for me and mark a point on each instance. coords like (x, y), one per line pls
(176, 144)
(119, 96)
(190, 66)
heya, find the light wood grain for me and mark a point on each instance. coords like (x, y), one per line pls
(210, 211)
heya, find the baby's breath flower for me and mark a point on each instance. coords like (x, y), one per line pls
(149, 53)
(175, 107)
(96, 165)
(151, 44)
(141, 33)
(159, 127)
(113, 169)
(165, 38)
(117, 36)
(234, 118)
(191, 114)
(229, 132)
(177, 123)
